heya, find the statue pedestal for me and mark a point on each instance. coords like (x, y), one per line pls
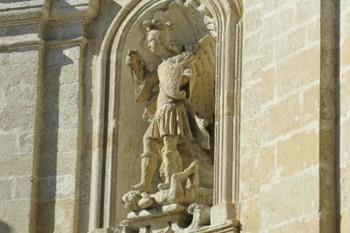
(167, 219)
(174, 219)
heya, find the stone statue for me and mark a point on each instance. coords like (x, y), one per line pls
(179, 106)
(179, 96)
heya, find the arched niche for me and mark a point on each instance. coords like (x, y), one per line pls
(114, 133)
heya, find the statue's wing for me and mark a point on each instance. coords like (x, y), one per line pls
(202, 89)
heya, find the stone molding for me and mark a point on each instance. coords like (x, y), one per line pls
(40, 15)
(20, 12)
(228, 16)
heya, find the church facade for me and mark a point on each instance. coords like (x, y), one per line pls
(125, 116)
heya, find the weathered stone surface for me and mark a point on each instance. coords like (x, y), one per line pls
(51, 54)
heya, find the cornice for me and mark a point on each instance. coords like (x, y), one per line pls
(32, 11)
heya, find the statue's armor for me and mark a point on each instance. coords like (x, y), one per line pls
(171, 117)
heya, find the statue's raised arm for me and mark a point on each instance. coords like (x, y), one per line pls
(144, 80)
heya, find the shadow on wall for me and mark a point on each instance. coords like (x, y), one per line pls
(4, 228)
(11, 1)
(56, 59)
(96, 30)
(56, 120)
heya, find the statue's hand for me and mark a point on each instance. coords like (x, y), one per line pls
(133, 59)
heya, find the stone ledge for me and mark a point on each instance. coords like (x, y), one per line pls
(102, 230)
(228, 227)
(177, 215)
(18, 13)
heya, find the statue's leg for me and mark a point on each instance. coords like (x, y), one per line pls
(148, 165)
(172, 162)
(176, 190)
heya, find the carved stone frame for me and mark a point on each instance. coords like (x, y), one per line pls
(228, 15)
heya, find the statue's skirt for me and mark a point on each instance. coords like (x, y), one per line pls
(170, 119)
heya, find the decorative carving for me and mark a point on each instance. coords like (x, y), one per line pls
(183, 190)
(201, 216)
(179, 97)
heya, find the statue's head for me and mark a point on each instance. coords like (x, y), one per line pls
(158, 38)
(130, 200)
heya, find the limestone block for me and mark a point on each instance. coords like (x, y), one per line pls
(251, 46)
(26, 143)
(252, 69)
(299, 152)
(345, 133)
(8, 145)
(69, 30)
(27, 33)
(279, 22)
(253, 20)
(282, 118)
(268, 85)
(311, 105)
(308, 224)
(344, 165)
(267, 167)
(307, 10)
(311, 191)
(4, 60)
(22, 164)
(298, 71)
(250, 179)
(345, 16)
(290, 43)
(20, 120)
(313, 33)
(68, 73)
(63, 140)
(67, 140)
(345, 52)
(345, 223)
(273, 4)
(268, 54)
(24, 57)
(287, 200)
(23, 187)
(69, 8)
(251, 215)
(56, 216)
(6, 189)
(58, 164)
(252, 4)
(20, 96)
(15, 215)
(57, 187)
(251, 137)
(17, 74)
(59, 56)
(256, 95)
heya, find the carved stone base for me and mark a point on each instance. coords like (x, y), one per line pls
(171, 218)
(228, 227)
(175, 219)
(102, 230)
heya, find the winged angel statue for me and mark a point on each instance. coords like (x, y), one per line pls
(179, 98)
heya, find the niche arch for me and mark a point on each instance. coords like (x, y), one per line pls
(227, 15)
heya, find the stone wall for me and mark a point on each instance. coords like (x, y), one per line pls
(42, 53)
(280, 117)
(344, 96)
(48, 52)
(18, 88)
